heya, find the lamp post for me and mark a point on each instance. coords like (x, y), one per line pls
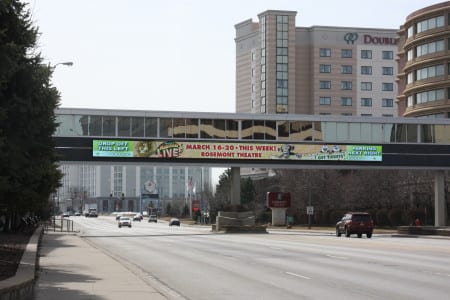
(66, 63)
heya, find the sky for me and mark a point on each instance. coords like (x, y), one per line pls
(172, 55)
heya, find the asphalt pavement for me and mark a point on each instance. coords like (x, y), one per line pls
(72, 268)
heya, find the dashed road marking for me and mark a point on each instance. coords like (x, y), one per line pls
(298, 275)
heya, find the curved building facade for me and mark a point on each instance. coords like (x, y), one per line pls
(424, 63)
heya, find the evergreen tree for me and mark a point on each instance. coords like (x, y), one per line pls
(28, 173)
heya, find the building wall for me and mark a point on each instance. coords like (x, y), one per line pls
(172, 183)
(304, 60)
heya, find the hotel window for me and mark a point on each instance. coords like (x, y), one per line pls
(366, 70)
(410, 78)
(346, 69)
(387, 54)
(430, 96)
(325, 84)
(325, 52)
(346, 85)
(325, 100)
(430, 24)
(410, 54)
(387, 102)
(410, 100)
(366, 101)
(387, 70)
(325, 68)
(366, 86)
(346, 101)
(387, 86)
(429, 72)
(430, 48)
(410, 31)
(366, 54)
(366, 115)
(346, 53)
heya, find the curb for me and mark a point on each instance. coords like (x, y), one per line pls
(21, 285)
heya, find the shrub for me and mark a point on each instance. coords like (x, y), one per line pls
(395, 217)
(382, 218)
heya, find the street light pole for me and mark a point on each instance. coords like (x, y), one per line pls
(66, 63)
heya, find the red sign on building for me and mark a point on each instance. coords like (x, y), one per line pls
(195, 205)
(278, 199)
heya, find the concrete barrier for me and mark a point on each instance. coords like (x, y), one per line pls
(21, 285)
(424, 230)
(237, 222)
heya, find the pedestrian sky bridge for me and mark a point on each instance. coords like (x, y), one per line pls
(234, 140)
(256, 140)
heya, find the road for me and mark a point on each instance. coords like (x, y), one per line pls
(193, 263)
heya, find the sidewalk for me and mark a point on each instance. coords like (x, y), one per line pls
(71, 268)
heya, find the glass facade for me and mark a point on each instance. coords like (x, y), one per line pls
(282, 64)
(263, 65)
(272, 128)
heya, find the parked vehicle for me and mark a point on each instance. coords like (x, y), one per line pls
(174, 222)
(124, 221)
(355, 223)
(152, 218)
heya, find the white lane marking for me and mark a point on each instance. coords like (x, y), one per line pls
(298, 275)
(334, 256)
(275, 248)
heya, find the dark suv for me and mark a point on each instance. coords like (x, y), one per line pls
(355, 223)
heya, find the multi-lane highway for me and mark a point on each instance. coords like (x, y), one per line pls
(190, 262)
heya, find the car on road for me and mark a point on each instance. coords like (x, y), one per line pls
(118, 217)
(137, 217)
(355, 223)
(174, 222)
(152, 218)
(124, 221)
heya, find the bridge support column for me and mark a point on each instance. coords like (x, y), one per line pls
(440, 207)
(235, 186)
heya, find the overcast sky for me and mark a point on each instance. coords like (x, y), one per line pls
(172, 55)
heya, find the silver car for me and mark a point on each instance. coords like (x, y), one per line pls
(124, 221)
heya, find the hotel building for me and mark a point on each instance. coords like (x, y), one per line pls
(424, 63)
(319, 70)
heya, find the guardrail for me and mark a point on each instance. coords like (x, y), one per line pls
(59, 224)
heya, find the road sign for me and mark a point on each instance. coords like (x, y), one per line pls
(310, 210)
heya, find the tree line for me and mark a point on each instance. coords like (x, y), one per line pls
(393, 197)
(29, 165)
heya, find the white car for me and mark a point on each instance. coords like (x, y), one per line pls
(124, 221)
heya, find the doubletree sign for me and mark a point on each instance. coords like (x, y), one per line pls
(278, 200)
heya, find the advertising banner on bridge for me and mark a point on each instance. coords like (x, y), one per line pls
(235, 150)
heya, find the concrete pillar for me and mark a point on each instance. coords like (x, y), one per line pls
(440, 207)
(278, 216)
(235, 186)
